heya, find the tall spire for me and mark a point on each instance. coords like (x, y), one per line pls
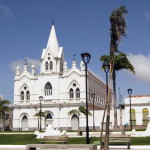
(52, 41)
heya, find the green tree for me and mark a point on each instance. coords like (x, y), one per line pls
(4, 107)
(78, 112)
(38, 115)
(117, 31)
(120, 62)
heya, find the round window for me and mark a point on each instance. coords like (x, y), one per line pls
(74, 84)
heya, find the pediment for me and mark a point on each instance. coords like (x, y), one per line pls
(24, 78)
(74, 74)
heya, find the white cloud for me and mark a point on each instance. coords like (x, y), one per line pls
(1, 96)
(147, 16)
(21, 64)
(4, 10)
(141, 65)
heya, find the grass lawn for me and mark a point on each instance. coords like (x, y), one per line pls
(23, 139)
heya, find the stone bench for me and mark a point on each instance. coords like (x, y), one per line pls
(48, 139)
(61, 147)
(117, 139)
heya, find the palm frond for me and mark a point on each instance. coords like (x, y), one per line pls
(83, 110)
(40, 114)
(118, 26)
(120, 62)
(4, 105)
(74, 111)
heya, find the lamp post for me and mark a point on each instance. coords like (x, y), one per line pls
(106, 67)
(93, 97)
(86, 58)
(40, 98)
(130, 92)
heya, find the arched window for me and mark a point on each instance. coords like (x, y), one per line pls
(77, 93)
(48, 89)
(27, 95)
(145, 115)
(48, 116)
(51, 65)
(46, 66)
(22, 95)
(71, 93)
(133, 117)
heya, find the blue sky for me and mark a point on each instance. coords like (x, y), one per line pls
(81, 25)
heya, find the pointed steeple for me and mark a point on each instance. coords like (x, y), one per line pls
(52, 41)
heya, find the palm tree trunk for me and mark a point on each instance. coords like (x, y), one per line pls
(106, 144)
(112, 57)
(38, 123)
(102, 123)
(78, 126)
(115, 100)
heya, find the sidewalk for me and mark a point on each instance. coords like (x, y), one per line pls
(137, 147)
(23, 147)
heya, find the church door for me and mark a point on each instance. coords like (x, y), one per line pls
(48, 119)
(24, 123)
(74, 122)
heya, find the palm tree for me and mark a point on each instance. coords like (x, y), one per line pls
(78, 112)
(4, 107)
(38, 115)
(117, 31)
(120, 62)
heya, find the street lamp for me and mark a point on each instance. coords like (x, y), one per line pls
(106, 69)
(40, 98)
(86, 58)
(130, 92)
(93, 97)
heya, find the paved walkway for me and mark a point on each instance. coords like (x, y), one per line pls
(146, 147)
(23, 147)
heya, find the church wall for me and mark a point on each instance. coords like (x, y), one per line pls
(96, 86)
(54, 81)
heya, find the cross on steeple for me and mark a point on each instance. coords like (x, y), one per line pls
(74, 57)
(53, 20)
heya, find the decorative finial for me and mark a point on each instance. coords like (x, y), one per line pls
(32, 69)
(26, 61)
(74, 57)
(53, 20)
(17, 70)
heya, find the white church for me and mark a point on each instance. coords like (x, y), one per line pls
(62, 89)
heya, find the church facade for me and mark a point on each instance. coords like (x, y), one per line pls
(62, 90)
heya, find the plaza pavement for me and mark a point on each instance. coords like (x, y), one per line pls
(23, 147)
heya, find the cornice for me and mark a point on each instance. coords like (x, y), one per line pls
(50, 105)
(140, 104)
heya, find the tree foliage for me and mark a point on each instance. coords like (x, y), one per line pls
(120, 62)
(79, 111)
(4, 107)
(118, 27)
